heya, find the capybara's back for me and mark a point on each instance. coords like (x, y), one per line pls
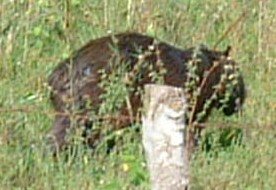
(75, 83)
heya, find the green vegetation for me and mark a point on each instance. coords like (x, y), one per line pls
(36, 35)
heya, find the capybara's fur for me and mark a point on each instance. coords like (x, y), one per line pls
(75, 81)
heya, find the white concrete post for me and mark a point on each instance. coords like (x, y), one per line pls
(164, 137)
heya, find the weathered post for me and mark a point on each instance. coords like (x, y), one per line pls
(164, 137)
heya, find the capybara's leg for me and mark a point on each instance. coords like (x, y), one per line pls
(58, 132)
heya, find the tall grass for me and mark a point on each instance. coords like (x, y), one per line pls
(36, 35)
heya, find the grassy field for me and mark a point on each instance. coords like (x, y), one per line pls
(35, 35)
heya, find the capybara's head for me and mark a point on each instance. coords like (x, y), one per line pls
(220, 85)
(232, 93)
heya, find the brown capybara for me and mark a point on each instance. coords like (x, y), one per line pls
(76, 82)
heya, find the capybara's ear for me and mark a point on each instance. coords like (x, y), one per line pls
(227, 51)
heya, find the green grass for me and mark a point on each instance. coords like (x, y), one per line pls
(36, 35)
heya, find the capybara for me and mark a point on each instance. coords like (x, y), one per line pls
(205, 75)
